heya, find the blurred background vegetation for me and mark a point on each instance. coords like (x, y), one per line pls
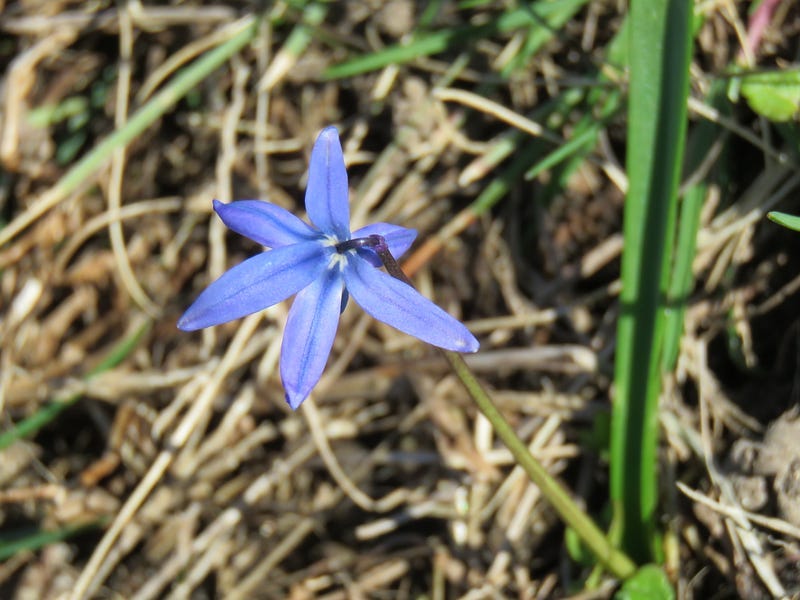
(140, 461)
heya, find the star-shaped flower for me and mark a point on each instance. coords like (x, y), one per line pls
(320, 264)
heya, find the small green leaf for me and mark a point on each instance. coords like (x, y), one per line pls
(775, 94)
(788, 221)
(648, 583)
(50, 114)
(577, 550)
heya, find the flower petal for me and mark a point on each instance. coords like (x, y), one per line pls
(265, 223)
(399, 239)
(260, 281)
(401, 306)
(327, 193)
(308, 337)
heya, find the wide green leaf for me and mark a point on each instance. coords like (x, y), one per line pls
(649, 583)
(775, 94)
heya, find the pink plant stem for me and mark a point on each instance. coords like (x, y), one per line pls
(758, 23)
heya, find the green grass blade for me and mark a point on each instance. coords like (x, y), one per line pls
(659, 45)
(583, 141)
(701, 143)
(542, 17)
(49, 412)
(789, 221)
(11, 545)
(499, 187)
(538, 36)
(296, 44)
(101, 154)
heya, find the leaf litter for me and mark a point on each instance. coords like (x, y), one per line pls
(390, 484)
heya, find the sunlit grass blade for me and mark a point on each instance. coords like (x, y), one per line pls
(49, 412)
(495, 191)
(101, 154)
(538, 36)
(583, 140)
(503, 146)
(297, 43)
(701, 144)
(789, 221)
(659, 53)
(542, 17)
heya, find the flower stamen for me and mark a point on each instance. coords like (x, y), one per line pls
(374, 242)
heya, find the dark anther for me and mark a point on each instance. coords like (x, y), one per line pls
(375, 242)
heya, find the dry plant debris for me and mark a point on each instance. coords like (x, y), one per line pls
(179, 471)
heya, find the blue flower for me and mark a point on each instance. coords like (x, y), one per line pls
(321, 264)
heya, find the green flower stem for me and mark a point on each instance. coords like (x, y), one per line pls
(616, 561)
(611, 558)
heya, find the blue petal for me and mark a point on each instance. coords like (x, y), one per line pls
(401, 306)
(259, 282)
(309, 334)
(265, 223)
(399, 239)
(327, 192)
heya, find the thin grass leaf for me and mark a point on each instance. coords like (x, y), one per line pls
(429, 13)
(544, 16)
(539, 36)
(682, 279)
(587, 129)
(49, 412)
(659, 51)
(499, 186)
(11, 545)
(789, 221)
(510, 141)
(297, 43)
(582, 142)
(101, 154)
